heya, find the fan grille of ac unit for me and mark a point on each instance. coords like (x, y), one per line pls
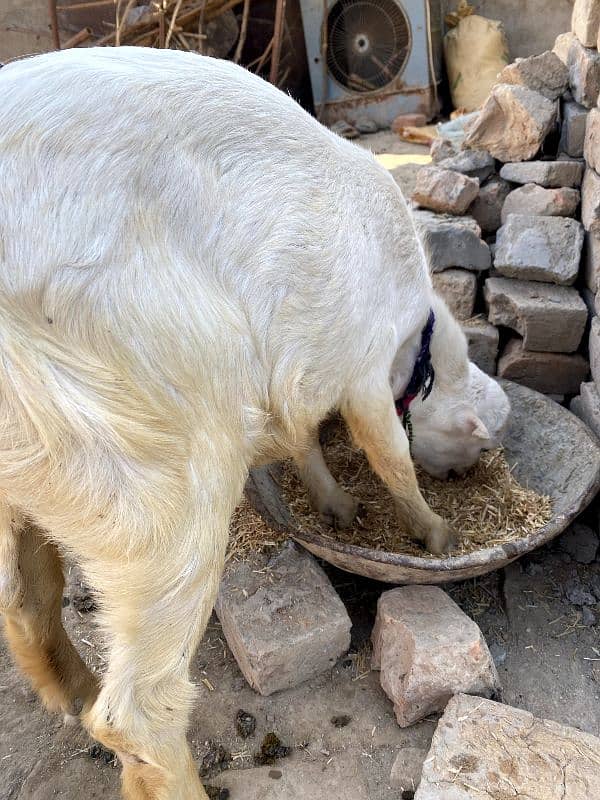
(368, 43)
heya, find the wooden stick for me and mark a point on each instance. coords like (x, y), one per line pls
(201, 34)
(173, 20)
(54, 24)
(121, 20)
(277, 37)
(259, 62)
(161, 26)
(243, 32)
(83, 35)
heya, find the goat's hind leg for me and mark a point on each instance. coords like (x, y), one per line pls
(33, 625)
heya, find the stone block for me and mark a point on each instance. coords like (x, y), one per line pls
(483, 339)
(549, 373)
(444, 190)
(549, 318)
(562, 45)
(486, 209)
(441, 149)
(594, 350)
(537, 201)
(458, 287)
(591, 145)
(545, 74)
(539, 248)
(585, 21)
(427, 650)
(584, 73)
(407, 768)
(591, 260)
(483, 749)
(513, 123)
(477, 164)
(590, 200)
(550, 174)
(572, 131)
(283, 622)
(586, 406)
(452, 241)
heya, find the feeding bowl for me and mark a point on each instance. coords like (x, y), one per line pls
(551, 451)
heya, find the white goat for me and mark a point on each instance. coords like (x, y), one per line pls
(193, 274)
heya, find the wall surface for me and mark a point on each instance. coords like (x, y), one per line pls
(24, 28)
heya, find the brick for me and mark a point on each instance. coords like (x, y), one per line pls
(544, 73)
(586, 406)
(427, 650)
(550, 174)
(486, 209)
(473, 163)
(513, 123)
(539, 248)
(549, 373)
(591, 260)
(585, 21)
(572, 131)
(408, 121)
(444, 190)
(441, 149)
(482, 338)
(284, 622)
(594, 350)
(590, 200)
(584, 73)
(562, 45)
(452, 241)
(549, 318)
(591, 146)
(537, 201)
(483, 749)
(458, 287)
(407, 768)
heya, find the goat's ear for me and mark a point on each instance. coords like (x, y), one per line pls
(473, 426)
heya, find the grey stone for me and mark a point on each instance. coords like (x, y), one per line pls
(549, 318)
(590, 200)
(483, 749)
(591, 146)
(284, 622)
(539, 248)
(486, 209)
(588, 618)
(535, 200)
(594, 351)
(589, 298)
(513, 123)
(406, 770)
(483, 339)
(427, 650)
(562, 45)
(366, 125)
(441, 149)
(545, 74)
(595, 584)
(549, 373)
(572, 132)
(584, 73)
(458, 287)
(452, 241)
(586, 406)
(580, 542)
(577, 594)
(585, 21)
(550, 174)
(444, 190)
(473, 163)
(498, 653)
(591, 260)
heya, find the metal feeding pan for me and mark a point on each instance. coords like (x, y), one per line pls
(552, 452)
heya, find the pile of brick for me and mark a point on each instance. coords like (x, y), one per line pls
(511, 222)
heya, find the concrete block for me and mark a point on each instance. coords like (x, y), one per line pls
(483, 749)
(427, 650)
(452, 241)
(585, 21)
(584, 73)
(549, 318)
(549, 373)
(458, 287)
(284, 623)
(483, 339)
(486, 209)
(444, 190)
(586, 406)
(550, 174)
(572, 131)
(539, 248)
(590, 200)
(537, 201)
(545, 74)
(594, 350)
(513, 123)
(473, 163)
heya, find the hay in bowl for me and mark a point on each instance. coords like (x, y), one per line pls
(486, 507)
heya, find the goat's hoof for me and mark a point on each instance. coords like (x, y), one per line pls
(340, 511)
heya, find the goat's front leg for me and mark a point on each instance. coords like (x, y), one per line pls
(336, 507)
(376, 429)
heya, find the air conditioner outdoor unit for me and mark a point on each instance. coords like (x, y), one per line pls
(374, 58)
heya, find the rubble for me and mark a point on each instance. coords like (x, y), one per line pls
(484, 749)
(539, 248)
(572, 133)
(549, 318)
(445, 191)
(586, 406)
(534, 199)
(545, 74)
(584, 73)
(594, 348)
(427, 650)
(486, 209)
(483, 339)
(284, 622)
(473, 163)
(441, 149)
(458, 287)
(591, 260)
(549, 174)
(513, 123)
(549, 373)
(590, 200)
(452, 241)
(585, 21)
(591, 147)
